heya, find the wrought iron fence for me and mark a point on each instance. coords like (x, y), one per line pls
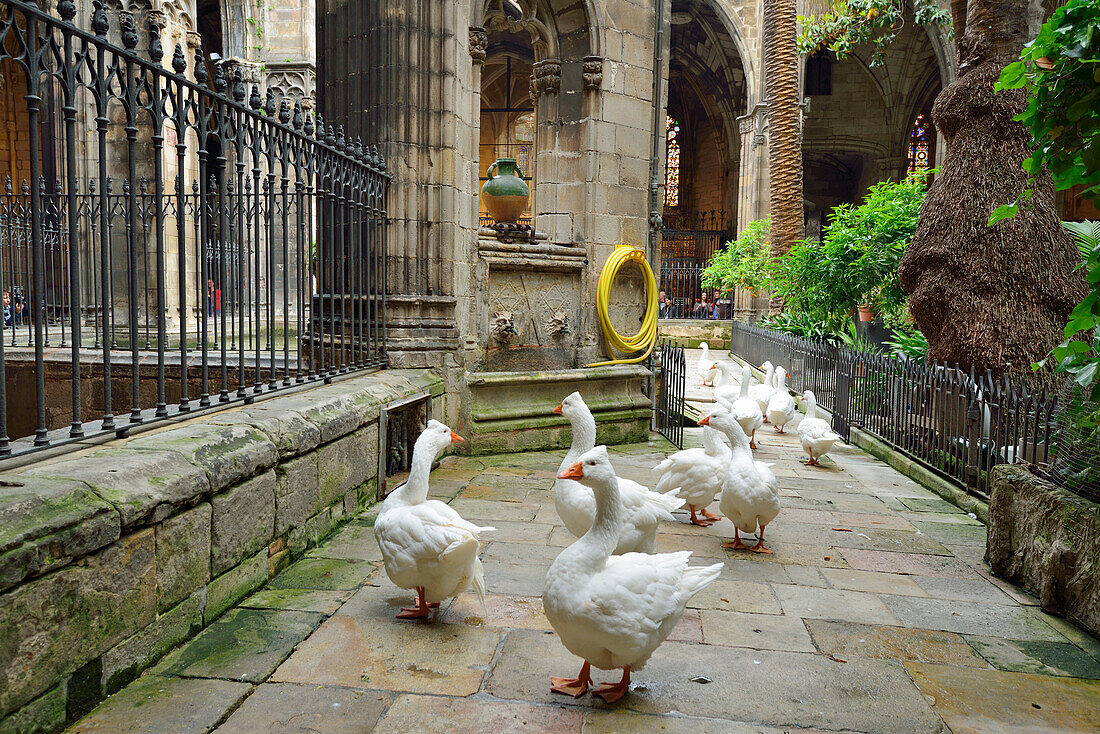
(958, 423)
(181, 242)
(672, 382)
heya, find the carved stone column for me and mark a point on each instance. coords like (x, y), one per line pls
(752, 186)
(545, 86)
(399, 75)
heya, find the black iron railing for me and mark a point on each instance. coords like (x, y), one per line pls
(181, 241)
(958, 423)
(672, 382)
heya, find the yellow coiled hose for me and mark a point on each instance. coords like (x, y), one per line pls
(647, 335)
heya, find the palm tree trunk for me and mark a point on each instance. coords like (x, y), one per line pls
(989, 297)
(784, 127)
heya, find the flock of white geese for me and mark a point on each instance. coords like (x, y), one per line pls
(610, 598)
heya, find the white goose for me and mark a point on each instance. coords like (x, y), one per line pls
(762, 393)
(725, 390)
(750, 493)
(697, 474)
(577, 507)
(705, 368)
(614, 611)
(425, 544)
(745, 410)
(781, 408)
(816, 435)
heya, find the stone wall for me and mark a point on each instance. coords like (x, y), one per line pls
(112, 556)
(1047, 540)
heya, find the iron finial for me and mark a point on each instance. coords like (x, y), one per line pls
(129, 30)
(220, 83)
(200, 67)
(296, 120)
(269, 103)
(66, 9)
(179, 61)
(239, 91)
(100, 22)
(284, 110)
(255, 101)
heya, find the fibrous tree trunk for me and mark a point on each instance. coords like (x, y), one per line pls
(784, 126)
(989, 297)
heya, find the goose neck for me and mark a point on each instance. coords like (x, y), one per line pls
(811, 407)
(603, 536)
(584, 434)
(415, 489)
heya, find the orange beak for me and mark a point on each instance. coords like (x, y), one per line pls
(455, 438)
(705, 421)
(556, 411)
(573, 472)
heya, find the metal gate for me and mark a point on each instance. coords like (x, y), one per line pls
(668, 407)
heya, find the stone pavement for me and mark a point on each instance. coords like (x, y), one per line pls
(875, 614)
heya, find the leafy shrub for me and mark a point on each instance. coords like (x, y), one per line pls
(742, 262)
(857, 261)
(799, 324)
(910, 342)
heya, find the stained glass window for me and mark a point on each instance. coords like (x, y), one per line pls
(918, 145)
(672, 163)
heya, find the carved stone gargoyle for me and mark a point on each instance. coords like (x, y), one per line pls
(502, 329)
(557, 325)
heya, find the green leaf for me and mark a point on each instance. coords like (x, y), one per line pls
(1086, 374)
(1005, 211)
(1013, 76)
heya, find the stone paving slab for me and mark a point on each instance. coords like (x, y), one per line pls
(302, 600)
(970, 618)
(815, 691)
(848, 639)
(323, 573)
(368, 652)
(166, 704)
(245, 644)
(1036, 656)
(979, 701)
(756, 631)
(630, 722)
(286, 708)
(434, 715)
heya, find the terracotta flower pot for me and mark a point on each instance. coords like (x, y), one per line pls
(866, 313)
(505, 193)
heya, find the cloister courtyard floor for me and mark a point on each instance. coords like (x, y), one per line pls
(875, 614)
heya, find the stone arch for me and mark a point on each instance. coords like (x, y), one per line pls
(707, 64)
(842, 159)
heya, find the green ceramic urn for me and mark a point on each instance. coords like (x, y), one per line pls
(505, 193)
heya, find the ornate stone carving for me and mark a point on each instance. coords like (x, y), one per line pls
(593, 72)
(479, 43)
(557, 325)
(502, 329)
(745, 124)
(291, 80)
(545, 77)
(250, 70)
(194, 40)
(543, 41)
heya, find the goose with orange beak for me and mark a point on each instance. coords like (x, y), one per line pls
(643, 509)
(613, 611)
(750, 492)
(426, 545)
